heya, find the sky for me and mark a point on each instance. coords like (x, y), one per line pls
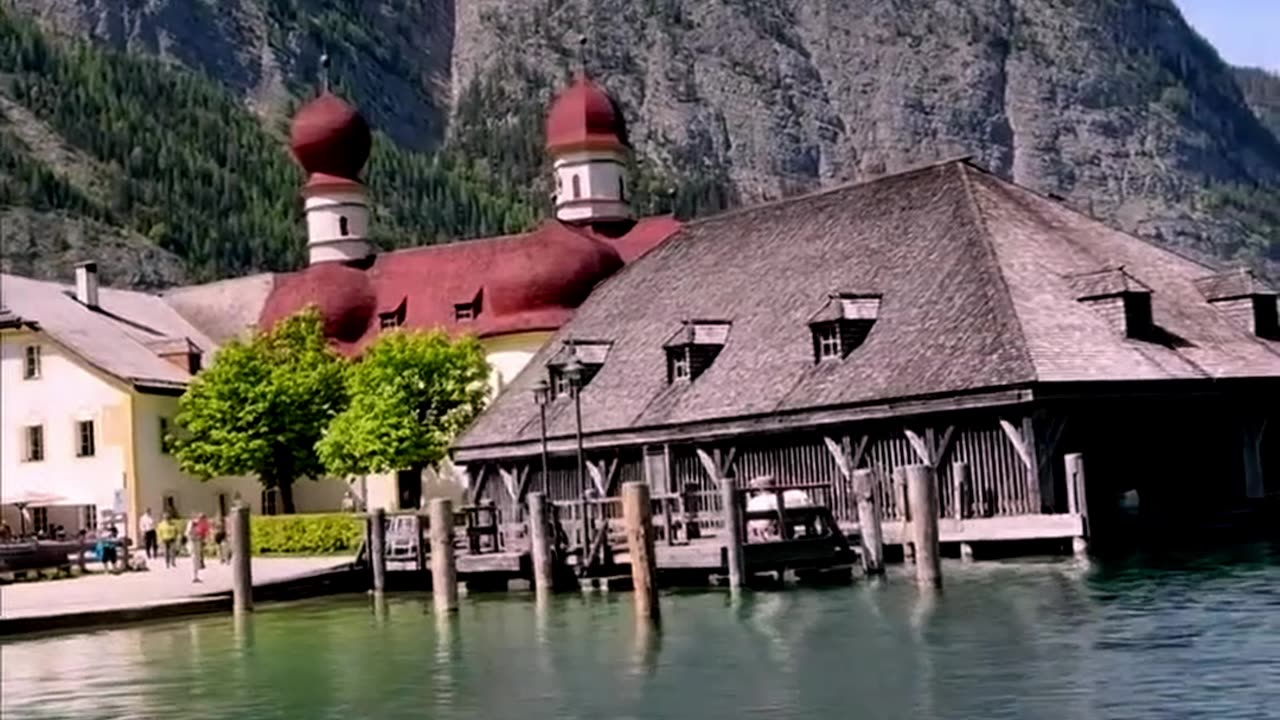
(1245, 32)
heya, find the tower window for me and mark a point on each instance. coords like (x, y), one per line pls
(622, 189)
(577, 187)
(343, 230)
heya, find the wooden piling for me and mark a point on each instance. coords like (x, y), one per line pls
(420, 542)
(966, 552)
(540, 535)
(637, 513)
(241, 560)
(444, 570)
(1077, 504)
(922, 494)
(733, 533)
(378, 548)
(869, 521)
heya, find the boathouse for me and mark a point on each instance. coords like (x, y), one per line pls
(935, 316)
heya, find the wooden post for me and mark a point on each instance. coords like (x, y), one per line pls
(241, 560)
(904, 512)
(444, 572)
(419, 541)
(637, 512)
(869, 521)
(922, 493)
(959, 487)
(733, 533)
(540, 534)
(691, 529)
(378, 548)
(966, 552)
(1077, 503)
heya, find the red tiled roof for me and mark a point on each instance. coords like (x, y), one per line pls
(584, 115)
(525, 283)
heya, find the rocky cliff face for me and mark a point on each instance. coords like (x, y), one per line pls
(1118, 107)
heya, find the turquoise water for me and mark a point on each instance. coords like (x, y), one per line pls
(1181, 637)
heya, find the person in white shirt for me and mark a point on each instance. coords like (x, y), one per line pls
(147, 528)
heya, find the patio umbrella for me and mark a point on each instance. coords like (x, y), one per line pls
(32, 498)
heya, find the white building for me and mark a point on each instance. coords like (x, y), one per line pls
(89, 384)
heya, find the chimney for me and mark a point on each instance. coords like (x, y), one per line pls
(87, 284)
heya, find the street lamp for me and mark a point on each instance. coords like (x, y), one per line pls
(542, 396)
(573, 374)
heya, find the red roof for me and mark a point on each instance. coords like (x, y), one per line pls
(584, 116)
(523, 283)
(330, 137)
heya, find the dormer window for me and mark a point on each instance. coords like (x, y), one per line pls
(1120, 298)
(590, 356)
(393, 319)
(842, 324)
(694, 347)
(1245, 300)
(827, 336)
(468, 311)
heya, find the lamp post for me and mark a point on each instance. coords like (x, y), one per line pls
(542, 396)
(573, 372)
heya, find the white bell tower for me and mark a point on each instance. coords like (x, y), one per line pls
(337, 213)
(587, 143)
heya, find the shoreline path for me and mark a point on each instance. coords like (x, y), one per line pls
(136, 590)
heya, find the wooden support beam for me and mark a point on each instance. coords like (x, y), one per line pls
(595, 470)
(540, 542)
(482, 479)
(1051, 427)
(872, 537)
(1022, 437)
(508, 476)
(718, 463)
(840, 453)
(929, 448)
(1014, 434)
(378, 548)
(444, 569)
(920, 446)
(922, 488)
(1253, 430)
(522, 484)
(733, 533)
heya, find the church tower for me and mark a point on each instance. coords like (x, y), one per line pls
(587, 143)
(331, 141)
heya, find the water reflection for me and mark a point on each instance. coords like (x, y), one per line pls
(1169, 637)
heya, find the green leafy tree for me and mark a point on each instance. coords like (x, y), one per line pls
(262, 405)
(411, 393)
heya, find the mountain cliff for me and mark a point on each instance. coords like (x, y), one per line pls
(1119, 108)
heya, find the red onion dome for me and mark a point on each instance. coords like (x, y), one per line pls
(552, 267)
(585, 116)
(342, 294)
(329, 136)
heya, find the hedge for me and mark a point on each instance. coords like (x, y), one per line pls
(319, 534)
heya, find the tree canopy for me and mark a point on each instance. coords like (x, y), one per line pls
(262, 405)
(411, 393)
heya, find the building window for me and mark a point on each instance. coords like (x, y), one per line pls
(194, 363)
(622, 189)
(84, 439)
(342, 226)
(33, 443)
(90, 517)
(166, 446)
(388, 321)
(31, 362)
(40, 520)
(270, 501)
(559, 384)
(577, 187)
(222, 504)
(680, 364)
(463, 312)
(828, 337)
(170, 505)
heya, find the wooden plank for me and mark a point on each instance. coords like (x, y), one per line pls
(1034, 503)
(489, 563)
(994, 529)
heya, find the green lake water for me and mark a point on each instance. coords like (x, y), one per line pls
(1173, 637)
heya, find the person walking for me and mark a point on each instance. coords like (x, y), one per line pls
(168, 534)
(220, 539)
(197, 534)
(147, 526)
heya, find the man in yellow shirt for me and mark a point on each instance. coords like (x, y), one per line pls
(167, 531)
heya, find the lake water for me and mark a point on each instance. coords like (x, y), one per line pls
(1174, 637)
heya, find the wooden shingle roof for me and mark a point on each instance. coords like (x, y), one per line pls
(977, 280)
